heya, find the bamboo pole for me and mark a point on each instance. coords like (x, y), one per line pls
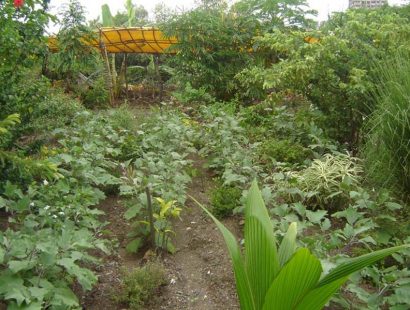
(107, 65)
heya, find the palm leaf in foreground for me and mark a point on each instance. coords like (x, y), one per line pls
(267, 279)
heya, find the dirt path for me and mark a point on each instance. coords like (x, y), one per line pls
(199, 273)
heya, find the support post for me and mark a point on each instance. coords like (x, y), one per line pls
(107, 65)
(158, 76)
(125, 76)
(150, 217)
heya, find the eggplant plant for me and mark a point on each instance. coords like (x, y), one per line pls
(283, 278)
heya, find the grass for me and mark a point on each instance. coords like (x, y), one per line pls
(387, 147)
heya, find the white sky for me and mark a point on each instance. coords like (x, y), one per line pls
(93, 7)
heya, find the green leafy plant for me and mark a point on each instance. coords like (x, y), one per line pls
(329, 177)
(25, 166)
(55, 111)
(74, 56)
(53, 224)
(273, 150)
(192, 96)
(162, 224)
(227, 148)
(41, 264)
(95, 95)
(224, 200)
(268, 277)
(161, 164)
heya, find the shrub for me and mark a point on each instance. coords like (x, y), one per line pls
(283, 151)
(285, 116)
(97, 95)
(55, 111)
(24, 97)
(224, 200)
(140, 284)
(21, 47)
(387, 148)
(190, 95)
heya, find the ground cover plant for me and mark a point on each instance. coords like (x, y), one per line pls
(52, 224)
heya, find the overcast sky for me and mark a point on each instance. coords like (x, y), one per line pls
(93, 7)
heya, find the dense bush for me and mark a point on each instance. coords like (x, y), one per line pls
(224, 199)
(215, 41)
(21, 49)
(24, 98)
(283, 151)
(335, 69)
(55, 111)
(95, 95)
(192, 96)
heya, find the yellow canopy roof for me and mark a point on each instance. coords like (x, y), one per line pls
(128, 40)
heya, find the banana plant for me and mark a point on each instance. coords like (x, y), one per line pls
(271, 278)
(131, 10)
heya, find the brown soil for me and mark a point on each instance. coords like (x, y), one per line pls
(199, 273)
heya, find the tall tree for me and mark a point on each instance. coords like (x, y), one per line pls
(277, 13)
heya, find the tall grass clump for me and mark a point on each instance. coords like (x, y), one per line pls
(387, 145)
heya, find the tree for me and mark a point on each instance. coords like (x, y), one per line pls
(73, 54)
(273, 14)
(212, 47)
(22, 47)
(215, 41)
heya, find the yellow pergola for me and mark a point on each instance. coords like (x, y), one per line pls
(128, 40)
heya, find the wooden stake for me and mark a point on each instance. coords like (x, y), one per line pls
(150, 217)
(125, 73)
(158, 76)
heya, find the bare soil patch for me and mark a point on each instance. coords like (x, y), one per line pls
(200, 272)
